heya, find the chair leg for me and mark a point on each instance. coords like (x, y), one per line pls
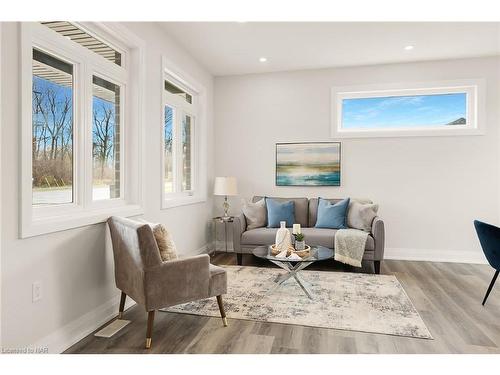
(221, 309)
(149, 332)
(239, 258)
(376, 265)
(122, 305)
(491, 286)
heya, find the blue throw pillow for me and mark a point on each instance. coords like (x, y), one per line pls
(331, 215)
(277, 212)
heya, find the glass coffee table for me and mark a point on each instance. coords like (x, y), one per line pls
(293, 267)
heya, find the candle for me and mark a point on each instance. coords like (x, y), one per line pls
(296, 229)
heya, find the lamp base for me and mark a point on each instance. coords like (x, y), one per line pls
(225, 205)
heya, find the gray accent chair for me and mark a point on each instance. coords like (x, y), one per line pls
(143, 276)
(306, 211)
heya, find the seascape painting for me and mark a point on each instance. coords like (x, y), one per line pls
(308, 164)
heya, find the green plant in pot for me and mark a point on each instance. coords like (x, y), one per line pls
(300, 243)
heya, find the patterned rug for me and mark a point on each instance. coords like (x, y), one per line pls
(347, 301)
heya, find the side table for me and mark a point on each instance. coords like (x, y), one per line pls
(221, 220)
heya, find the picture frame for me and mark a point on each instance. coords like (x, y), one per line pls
(308, 164)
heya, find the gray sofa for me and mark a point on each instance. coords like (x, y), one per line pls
(244, 241)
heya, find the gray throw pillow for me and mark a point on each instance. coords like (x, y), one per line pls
(360, 215)
(255, 213)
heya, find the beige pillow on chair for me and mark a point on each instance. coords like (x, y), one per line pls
(164, 241)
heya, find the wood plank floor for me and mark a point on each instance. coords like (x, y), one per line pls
(447, 295)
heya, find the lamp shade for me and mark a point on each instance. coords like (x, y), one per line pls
(225, 186)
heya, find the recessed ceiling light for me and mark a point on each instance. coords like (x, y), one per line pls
(263, 59)
(409, 48)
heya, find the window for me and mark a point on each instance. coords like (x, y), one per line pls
(105, 139)
(86, 40)
(183, 141)
(172, 89)
(447, 109)
(178, 137)
(80, 142)
(52, 127)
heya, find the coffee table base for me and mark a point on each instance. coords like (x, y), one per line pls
(293, 271)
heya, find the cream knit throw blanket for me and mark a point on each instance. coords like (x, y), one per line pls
(350, 246)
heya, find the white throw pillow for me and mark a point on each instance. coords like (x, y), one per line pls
(360, 214)
(255, 213)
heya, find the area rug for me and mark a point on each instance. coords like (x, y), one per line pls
(346, 301)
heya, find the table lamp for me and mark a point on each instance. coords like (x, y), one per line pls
(225, 186)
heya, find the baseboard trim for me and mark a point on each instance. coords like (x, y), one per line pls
(435, 255)
(71, 333)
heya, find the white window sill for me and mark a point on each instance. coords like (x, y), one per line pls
(184, 201)
(387, 133)
(44, 225)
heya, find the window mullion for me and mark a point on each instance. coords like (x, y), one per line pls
(178, 146)
(85, 163)
(194, 147)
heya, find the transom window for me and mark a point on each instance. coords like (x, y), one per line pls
(86, 40)
(448, 109)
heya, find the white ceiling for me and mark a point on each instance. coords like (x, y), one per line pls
(226, 48)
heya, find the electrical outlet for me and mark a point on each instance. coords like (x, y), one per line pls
(37, 291)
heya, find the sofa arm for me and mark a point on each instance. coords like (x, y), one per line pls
(378, 233)
(177, 281)
(239, 226)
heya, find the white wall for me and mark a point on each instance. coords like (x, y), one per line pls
(74, 266)
(429, 188)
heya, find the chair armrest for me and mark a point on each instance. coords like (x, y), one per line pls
(378, 233)
(177, 281)
(239, 226)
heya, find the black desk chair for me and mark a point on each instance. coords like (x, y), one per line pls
(489, 237)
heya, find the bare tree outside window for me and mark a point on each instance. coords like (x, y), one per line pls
(52, 130)
(105, 139)
(168, 144)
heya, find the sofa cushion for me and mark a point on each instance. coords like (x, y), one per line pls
(313, 236)
(255, 213)
(361, 215)
(332, 215)
(259, 236)
(313, 210)
(278, 212)
(319, 236)
(301, 208)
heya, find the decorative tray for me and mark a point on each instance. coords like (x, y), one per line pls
(301, 253)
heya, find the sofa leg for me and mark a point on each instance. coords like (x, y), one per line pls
(149, 331)
(239, 258)
(376, 264)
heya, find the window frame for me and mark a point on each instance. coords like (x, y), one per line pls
(36, 220)
(473, 88)
(197, 111)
